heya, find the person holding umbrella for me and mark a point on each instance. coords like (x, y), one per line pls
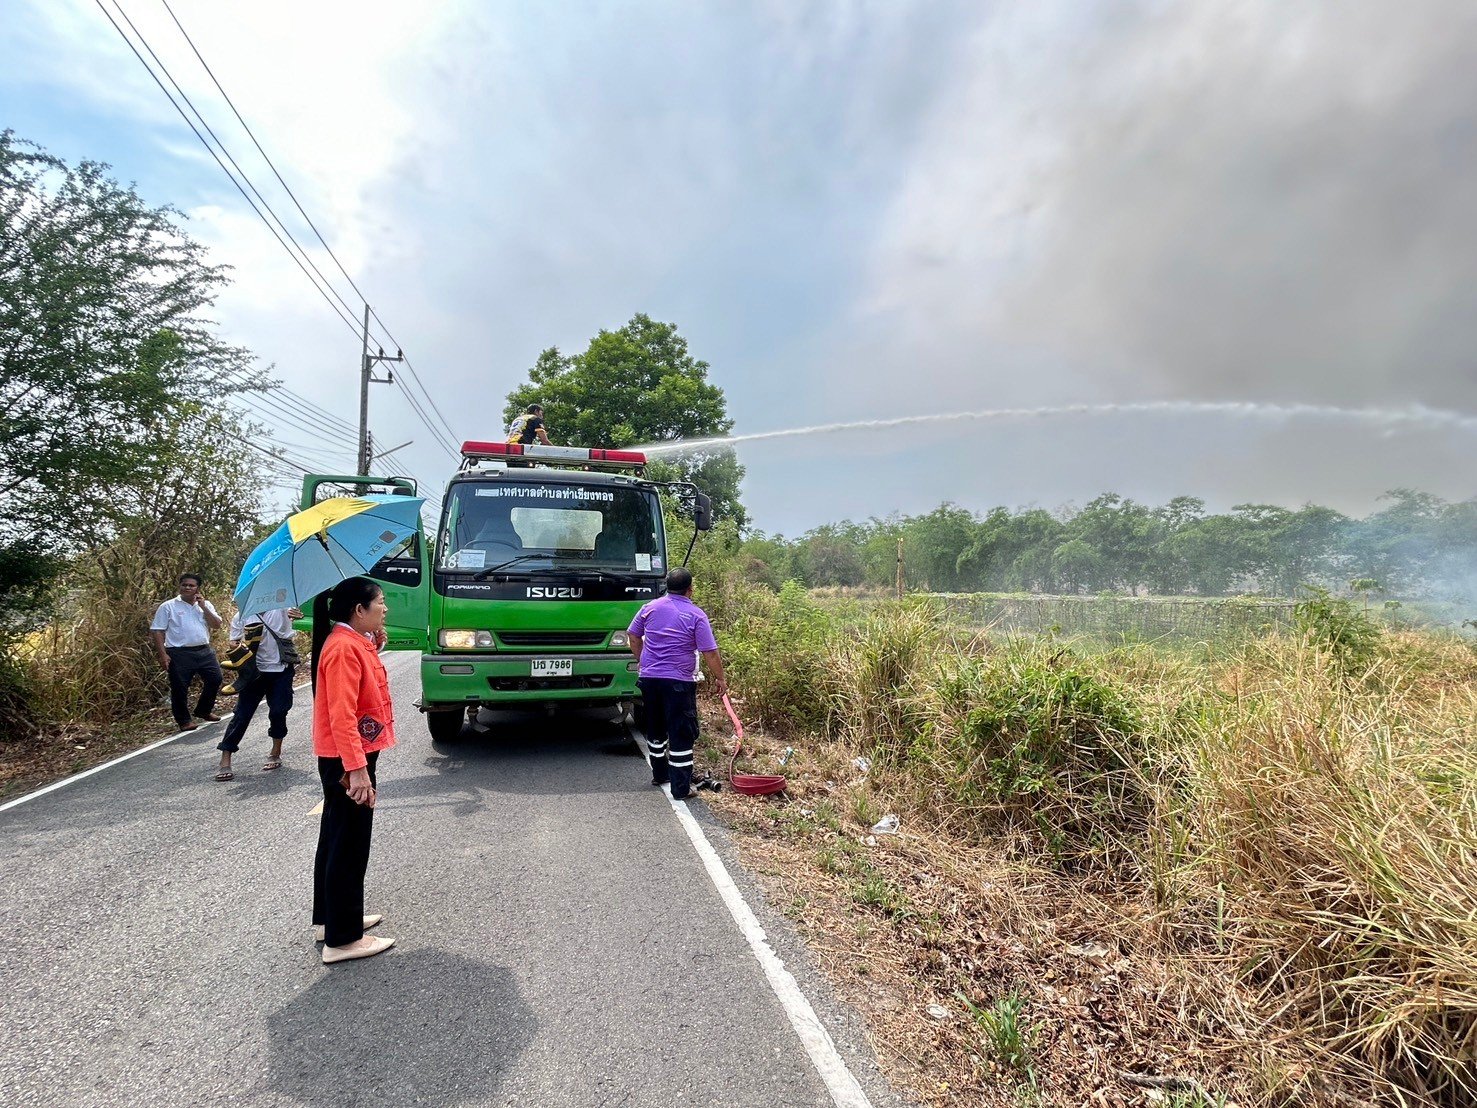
(353, 720)
(319, 552)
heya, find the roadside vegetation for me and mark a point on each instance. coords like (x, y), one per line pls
(1237, 872)
(122, 465)
(1415, 544)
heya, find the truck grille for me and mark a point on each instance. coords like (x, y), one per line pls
(551, 684)
(552, 638)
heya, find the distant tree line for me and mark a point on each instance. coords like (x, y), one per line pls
(1415, 544)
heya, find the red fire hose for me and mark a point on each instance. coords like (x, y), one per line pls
(750, 784)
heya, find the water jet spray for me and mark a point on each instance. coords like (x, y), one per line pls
(1381, 419)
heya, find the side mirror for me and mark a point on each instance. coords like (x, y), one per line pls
(702, 512)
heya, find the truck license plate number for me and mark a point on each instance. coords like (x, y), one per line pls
(553, 667)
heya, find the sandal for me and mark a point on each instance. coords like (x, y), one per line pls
(224, 775)
(271, 763)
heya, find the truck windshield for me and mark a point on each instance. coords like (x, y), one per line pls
(551, 527)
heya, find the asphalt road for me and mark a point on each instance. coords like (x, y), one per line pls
(559, 940)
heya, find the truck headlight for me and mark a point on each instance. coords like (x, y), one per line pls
(465, 640)
(620, 641)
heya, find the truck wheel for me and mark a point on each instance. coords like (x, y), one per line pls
(445, 726)
(635, 716)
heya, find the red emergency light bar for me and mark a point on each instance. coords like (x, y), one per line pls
(565, 454)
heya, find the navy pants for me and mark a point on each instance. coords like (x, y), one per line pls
(276, 690)
(342, 858)
(184, 663)
(671, 730)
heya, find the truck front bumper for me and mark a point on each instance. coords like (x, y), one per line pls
(457, 680)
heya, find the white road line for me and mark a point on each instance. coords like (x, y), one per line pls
(843, 1087)
(65, 781)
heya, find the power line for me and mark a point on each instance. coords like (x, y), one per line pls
(270, 164)
(322, 412)
(438, 437)
(308, 219)
(307, 419)
(278, 412)
(445, 439)
(324, 289)
(414, 375)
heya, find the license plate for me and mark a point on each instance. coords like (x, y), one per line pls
(553, 667)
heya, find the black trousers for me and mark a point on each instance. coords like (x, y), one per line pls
(185, 662)
(343, 857)
(276, 689)
(671, 730)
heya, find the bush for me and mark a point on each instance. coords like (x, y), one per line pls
(779, 650)
(1339, 627)
(883, 668)
(1038, 737)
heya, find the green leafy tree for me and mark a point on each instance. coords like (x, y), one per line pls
(104, 356)
(119, 464)
(636, 385)
(1403, 542)
(829, 555)
(936, 544)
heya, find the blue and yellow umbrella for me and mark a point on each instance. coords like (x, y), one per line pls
(321, 546)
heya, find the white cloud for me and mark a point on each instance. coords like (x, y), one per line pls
(853, 209)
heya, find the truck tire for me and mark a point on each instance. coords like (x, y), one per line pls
(446, 726)
(634, 717)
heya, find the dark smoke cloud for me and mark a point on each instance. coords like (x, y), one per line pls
(1265, 201)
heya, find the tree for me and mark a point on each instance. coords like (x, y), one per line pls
(828, 556)
(935, 545)
(637, 385)
(104, 356)
(1399, 544)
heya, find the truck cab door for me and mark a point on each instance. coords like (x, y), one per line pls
(404, 573)
(405, 576)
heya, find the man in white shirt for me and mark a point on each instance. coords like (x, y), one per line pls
(268, 675)
(181, 633)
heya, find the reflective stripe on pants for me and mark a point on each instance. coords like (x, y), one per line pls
(671, 730)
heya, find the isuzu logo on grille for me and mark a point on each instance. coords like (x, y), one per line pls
(550, 592)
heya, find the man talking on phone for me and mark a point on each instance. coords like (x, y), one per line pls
(181, 632)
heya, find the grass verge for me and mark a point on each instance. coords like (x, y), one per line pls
(1242, 874)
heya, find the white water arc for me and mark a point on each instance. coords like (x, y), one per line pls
(1379, 419)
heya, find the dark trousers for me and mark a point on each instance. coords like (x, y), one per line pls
(671, 730)
(276, 689)
(185, 662)
(343, 857)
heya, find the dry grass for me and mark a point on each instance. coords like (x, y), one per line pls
(1276, 845)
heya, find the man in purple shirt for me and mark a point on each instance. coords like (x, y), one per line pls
(666, 637)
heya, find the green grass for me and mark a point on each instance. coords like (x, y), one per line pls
(1006, 1035)
(1298, 808)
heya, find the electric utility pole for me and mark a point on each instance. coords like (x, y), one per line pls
(367, 362)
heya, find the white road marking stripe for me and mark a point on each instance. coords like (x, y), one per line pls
(316, 809)
(843, 1087)
(65, 781)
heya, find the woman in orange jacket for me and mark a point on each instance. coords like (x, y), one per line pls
(353, 721)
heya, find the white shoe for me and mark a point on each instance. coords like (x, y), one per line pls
(362, 948)
(369, 921)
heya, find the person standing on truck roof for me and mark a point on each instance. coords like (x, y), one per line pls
(666, 635)
(529, 427)
(181, 632)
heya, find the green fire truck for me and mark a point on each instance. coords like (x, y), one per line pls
(541, 557)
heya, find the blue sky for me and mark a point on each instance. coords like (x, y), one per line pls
(853, 211)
